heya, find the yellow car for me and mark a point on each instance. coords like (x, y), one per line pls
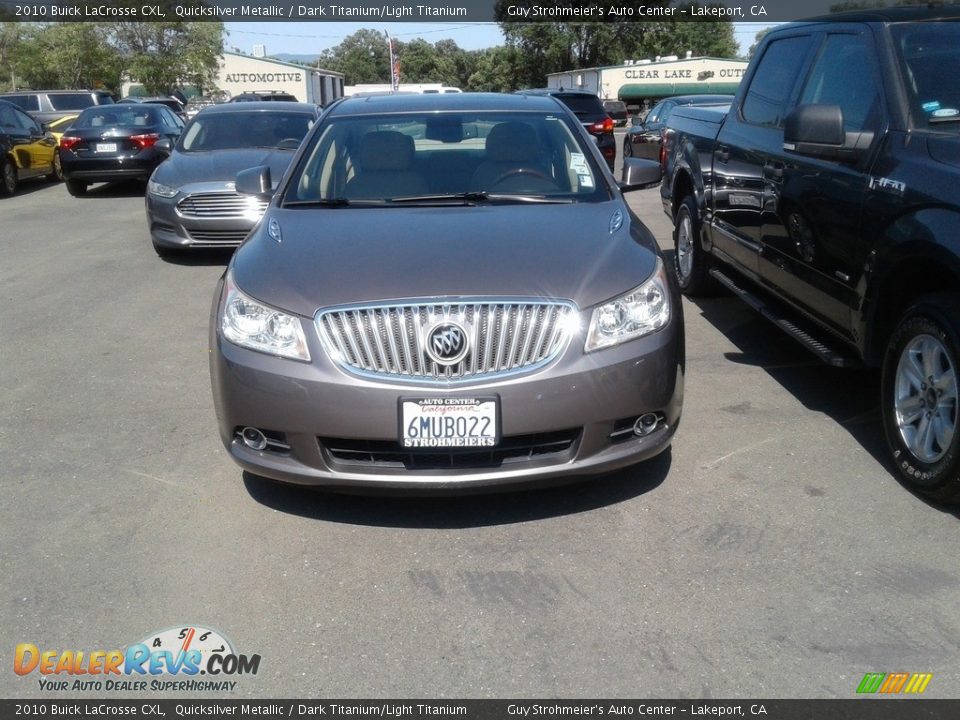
(56, 128)
(26, 150)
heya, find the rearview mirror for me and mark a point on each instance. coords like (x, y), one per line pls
(255, 181)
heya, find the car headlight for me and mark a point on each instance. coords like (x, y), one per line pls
(247, 323)
(639, 312)
(161, 190)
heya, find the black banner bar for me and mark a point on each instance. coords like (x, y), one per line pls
(446, 11)
(853, 709)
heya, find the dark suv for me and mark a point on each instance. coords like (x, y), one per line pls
(262, 95)
(590, 111)
(45, 106)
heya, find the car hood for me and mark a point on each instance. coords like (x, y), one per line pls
(184, 168)
(329, 257)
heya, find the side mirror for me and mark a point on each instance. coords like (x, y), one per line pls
(255, 181)
(164, 145)
(639, 173)
(817, 131)
(636, 122)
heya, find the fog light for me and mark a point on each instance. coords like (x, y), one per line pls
(253, 438)
(645, 424)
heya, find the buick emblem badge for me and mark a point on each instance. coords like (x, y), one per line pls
(446, 343)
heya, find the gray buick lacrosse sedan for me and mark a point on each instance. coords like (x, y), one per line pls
(446, 292)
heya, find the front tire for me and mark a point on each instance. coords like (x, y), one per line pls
(691, 263)
(8, 177)
(920, 396)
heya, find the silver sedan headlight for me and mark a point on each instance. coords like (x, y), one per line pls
(639, 312)
(161, 190)
(250, 324)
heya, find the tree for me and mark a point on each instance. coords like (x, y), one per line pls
(67, 55)
(165, 55)
(11, 34)
(363, 57)
(494, 71)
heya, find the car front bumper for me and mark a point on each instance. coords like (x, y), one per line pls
(313, 410)
(172, 228)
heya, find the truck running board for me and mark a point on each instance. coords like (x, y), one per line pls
(778, 317)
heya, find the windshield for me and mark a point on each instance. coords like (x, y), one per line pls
(256, 128)
(929, 55)
(432, 156)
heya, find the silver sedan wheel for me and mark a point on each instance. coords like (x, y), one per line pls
(685, 247)
(925, 397)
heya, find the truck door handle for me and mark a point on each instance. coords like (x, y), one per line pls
(774, 170)
(723, 154)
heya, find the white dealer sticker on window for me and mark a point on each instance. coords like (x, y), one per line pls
(578, 163)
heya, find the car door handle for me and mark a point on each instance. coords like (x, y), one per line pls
(723, 154)
(774, 170)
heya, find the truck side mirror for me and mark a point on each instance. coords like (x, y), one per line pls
(817, 131)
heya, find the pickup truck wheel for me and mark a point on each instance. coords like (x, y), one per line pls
(921, 393)
(689, 260)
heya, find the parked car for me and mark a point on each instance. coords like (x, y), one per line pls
(56, 129)
(191, 200)
(45, 106)
(617, 110)
(384, 327)
(589, 110)
(644, 138)
(26, 150)
(828, 201)
(263, 96)
(197, 104)
(170, 102)
(119, 142)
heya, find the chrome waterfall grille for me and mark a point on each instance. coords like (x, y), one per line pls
(223, 205)
(447, 341)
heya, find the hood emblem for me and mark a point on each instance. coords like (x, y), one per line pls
(446, 343)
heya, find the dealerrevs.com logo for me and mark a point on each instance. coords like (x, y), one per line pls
(169, 660)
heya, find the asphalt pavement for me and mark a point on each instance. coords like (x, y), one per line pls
(771, 553)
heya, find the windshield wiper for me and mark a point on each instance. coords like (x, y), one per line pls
(331, 202)
(471, 198)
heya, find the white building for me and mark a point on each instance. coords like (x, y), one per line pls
(239, 73)
(636, 82)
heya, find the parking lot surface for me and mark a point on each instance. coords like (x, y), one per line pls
(770, 553)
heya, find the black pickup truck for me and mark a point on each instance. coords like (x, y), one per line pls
(828, 197)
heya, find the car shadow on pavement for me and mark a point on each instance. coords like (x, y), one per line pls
(199, 257)
(461, 510)
(125, 188)
(851, 397)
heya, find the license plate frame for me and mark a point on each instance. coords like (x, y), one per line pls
(473, 418)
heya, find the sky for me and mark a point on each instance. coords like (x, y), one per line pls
(311, 38)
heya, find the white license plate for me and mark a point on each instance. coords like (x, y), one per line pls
(448, 422)
(106, 147)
